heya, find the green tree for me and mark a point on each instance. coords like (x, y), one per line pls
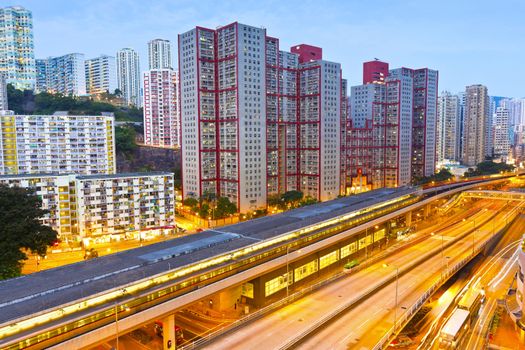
(224, 208)
(21, 229)
(292, 198)
(191, 202)
(25, 102)
(125, 139)
(489, 167)
(442, 175)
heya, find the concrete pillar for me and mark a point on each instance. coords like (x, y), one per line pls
(426, 211)
(168, 333)
(408, 219)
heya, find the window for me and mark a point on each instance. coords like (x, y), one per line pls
(305, 270)
(348, 249)
(276, 284)
(328, 259)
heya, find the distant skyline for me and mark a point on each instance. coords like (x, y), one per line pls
(469, 42)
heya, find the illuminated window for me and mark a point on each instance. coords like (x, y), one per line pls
(379, 235)
(276, 284)
(348, 249)
(365, 241)
(305, 270)
(328, 259)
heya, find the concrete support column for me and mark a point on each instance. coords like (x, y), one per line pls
(168, 333)
(408, 219)
(426, 211)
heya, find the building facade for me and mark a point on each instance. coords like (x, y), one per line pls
(3, 93)
(257, 121)
(161, 108)
(128, 76)
(31, 144)
(17, 57)
(476, 119)
(101, 75)
(304, 114)
(130, 205)
(424, 119)
(501, 129)
(448, 128)
(379, 130)
(159, 54)
(64, 75)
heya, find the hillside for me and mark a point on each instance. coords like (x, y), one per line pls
(26, 102)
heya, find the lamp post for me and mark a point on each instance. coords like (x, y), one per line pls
(397, 288)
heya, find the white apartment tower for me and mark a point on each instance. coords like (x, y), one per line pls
(64, 74)
(448, 127)
(161, 108)
(17, 57)
(101, 75)
(128, 76)
(476, 118)
(159, 54)
(501, 129)
(32, 144)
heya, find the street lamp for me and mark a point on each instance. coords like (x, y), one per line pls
(397, 286)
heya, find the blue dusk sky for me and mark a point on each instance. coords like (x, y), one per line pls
(468, 41)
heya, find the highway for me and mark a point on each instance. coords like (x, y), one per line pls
(494, 276)
(278, 328)
(365, 325)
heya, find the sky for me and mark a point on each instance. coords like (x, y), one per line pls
(467, 41)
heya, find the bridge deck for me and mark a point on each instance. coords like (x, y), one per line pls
(51, 288)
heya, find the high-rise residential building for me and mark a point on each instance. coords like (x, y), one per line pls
(391, 137)
(101, 75)
(17, 57)
(516, 108)
(392, 123)
(256, 120)
(128, 76)
(41, 75)
(132, 205)
(304, 116)
(159, 54)
(63, 74)
(3, 93)
(448, 128)
(31, 144)
(476, 118)
(501, 130)
(161, 108)
(424, 120)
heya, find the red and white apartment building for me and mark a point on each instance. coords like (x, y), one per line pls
(391, 131)
(161, 114)
(258, 121)
(160, 103)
